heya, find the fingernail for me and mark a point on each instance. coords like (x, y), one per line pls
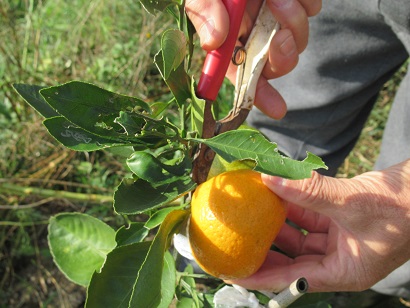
(288, 47)
(205, 33)
(280, 3)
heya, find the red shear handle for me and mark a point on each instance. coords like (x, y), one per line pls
(217, 61)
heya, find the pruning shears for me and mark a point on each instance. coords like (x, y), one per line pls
(250, 60)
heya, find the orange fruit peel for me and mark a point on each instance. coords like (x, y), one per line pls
(234, 220)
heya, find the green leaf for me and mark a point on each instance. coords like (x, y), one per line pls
(188, 284)
(186, 302)
(148, 287)
(113, 286)
(79, 244)
(121, 152)
(74, 137)
(137, 123)
(152, 6)
(149, 168)
(139, 196)
(132, 125)
(158, 108)
(168, 281)
(90, 107)
(104, 119)
(137, 274)
(173, 46)
(146, 130)
(219, 165)
(197, 112)
(136, 232)
(158, 217)
(178, 81)
(189, 31)
(31, 94)
(251, 144)
(190, 281)
(146, 167)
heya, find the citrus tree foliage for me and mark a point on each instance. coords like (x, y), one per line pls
(122, 268)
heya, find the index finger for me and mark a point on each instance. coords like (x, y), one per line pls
(210, 20)
(267, 98)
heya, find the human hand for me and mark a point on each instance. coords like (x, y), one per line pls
(211, 21)
(358, 231)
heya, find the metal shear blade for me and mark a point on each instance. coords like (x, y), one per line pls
(256, 54)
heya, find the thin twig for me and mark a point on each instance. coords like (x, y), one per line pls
(54, 182)
(26, 206)
(23, 224)
(57, 194)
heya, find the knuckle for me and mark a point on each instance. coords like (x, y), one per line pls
(311, 189)
(312, 7)
(192, 4)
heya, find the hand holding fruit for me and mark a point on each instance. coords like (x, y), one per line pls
(211, 22)
(358, 231)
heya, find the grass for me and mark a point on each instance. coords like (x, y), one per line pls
(111, 44)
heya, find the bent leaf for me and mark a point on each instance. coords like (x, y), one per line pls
(158, 217)
(219, 165)
(178, 81)
(79, 244)
(173, 45)
(148, 287)
(31, 94)
(250, 144)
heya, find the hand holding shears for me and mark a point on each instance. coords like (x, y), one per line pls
(250, 60)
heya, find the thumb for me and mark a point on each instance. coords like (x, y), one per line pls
(319, 193)
(211, 21)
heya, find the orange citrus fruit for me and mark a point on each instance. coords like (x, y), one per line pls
(234, 220)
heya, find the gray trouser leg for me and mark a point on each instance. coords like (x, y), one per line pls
(354, 48)
(397, 283)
